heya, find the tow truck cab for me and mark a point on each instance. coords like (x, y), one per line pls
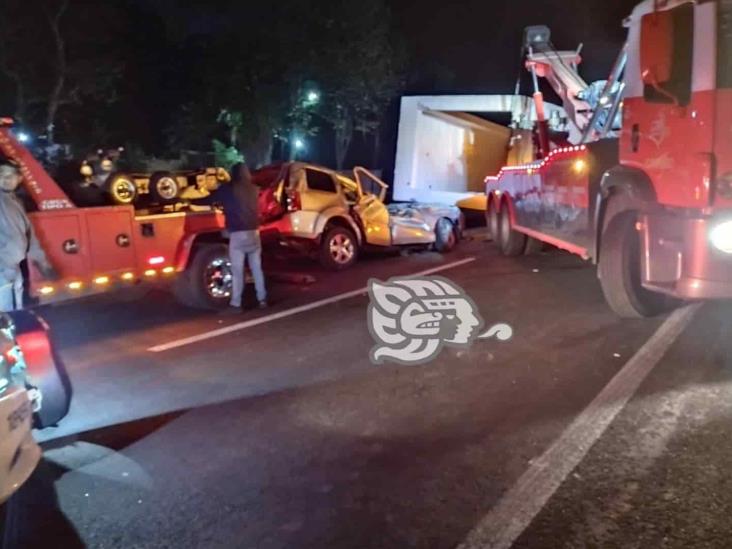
(654, 160)
(99, 248)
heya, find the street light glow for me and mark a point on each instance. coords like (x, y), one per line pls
(23, 137)
(299, 144)
(313, 97)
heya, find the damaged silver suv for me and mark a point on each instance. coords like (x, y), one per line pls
(335, 216)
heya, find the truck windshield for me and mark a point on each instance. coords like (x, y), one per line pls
(724, 49)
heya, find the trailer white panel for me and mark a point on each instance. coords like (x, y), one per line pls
(444, 153)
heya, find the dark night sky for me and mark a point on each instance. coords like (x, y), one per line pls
(465, 46)
(478, 41)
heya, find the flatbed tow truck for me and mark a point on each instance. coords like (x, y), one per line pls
(101, 248)
(642, 185)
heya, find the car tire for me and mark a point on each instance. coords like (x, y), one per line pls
(445, 236)
(512, 243)
(620, 271)
(46, 370)
(338, 248)
(121, 189)
(164, 188)
(206, 283)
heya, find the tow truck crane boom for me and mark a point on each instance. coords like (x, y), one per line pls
(591, 109)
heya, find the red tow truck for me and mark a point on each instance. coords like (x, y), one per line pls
(641, 184)
(100, 248)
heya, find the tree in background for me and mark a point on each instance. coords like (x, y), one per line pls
(59, 56)
(360, 68)
(265, 75)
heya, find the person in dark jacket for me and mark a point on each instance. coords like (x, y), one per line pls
(239, 200)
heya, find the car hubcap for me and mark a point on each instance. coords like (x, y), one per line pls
(218, 278)
(167, 188)
(124, 190)
(341, 249)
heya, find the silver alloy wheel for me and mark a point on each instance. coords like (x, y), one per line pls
(124, 190)
(341, 248)
(167, 188)
(218, 278)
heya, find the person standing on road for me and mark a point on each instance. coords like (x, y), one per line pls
(17, 240)
(239, 200)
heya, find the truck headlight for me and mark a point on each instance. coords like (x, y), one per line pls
(721, 237)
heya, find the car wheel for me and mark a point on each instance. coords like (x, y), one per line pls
(207, 282)
(164, 188)
(338, 249)
(512, 242)
(122, 189)
(620, 271)
(445, 236)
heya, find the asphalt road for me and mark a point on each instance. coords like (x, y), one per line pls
(284, 434)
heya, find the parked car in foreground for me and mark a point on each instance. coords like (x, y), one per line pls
(34, 392)
(334, 216)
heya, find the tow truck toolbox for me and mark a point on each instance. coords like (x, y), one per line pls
(100, 248)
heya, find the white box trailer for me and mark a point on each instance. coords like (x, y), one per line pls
(445, 149)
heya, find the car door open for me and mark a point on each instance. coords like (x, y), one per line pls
(370, 209)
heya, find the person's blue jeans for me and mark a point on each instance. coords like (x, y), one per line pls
(11, 289)
(245, 247)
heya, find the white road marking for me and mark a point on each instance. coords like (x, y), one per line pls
(289, 312)
(500, 528)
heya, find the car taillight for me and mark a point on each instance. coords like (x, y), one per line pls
(293, 201)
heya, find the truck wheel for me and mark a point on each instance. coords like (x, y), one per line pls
(620, 271)
(512, 243)
(338, 249)
(46, 370)
(121, 189)
(445, 236)
(207, 282)
(164, 188)
(493, 222)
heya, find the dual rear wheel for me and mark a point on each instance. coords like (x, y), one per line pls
(510, 242)
(619, 268)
